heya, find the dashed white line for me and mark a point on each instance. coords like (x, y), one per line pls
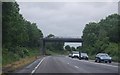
(37, 66)
(33, 71)
(76, 66)
(67, 63)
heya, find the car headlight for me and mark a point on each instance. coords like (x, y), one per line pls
(101, 58)
(110, 58)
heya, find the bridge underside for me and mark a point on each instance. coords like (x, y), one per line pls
(44, 40)
(62, 40)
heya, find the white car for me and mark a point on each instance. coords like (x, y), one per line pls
(75, 54)
(83, 56)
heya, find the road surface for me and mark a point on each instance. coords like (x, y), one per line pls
(65, 64)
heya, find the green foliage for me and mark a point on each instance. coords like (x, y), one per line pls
(102, 36)
(73, 49)
(9, 57)
(54, 45)
(57, 52)
(68, 48)
(18, 33)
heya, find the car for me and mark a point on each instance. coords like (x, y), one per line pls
(103, 57)
(75, 54)
(83, 56)
(70, 55)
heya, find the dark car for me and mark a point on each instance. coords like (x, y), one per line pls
(83, 56)
(103, 57)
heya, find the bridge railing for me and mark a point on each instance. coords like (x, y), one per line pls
(63, 37)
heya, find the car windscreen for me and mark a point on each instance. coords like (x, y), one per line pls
(84, 54)
(75, 52)
(104, 55)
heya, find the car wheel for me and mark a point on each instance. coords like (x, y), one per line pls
(79, 58)
(99, 60)
(109, 61)
(86, 59)
(105, 61)
(95, 60)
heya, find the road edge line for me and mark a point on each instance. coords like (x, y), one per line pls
(37, 66)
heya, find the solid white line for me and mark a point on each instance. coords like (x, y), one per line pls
(37, 66)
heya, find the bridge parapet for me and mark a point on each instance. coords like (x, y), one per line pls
(62, 40)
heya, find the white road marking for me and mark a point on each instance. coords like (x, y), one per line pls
(76, 66)
(33, 71)
(67, 63)
(37, 66)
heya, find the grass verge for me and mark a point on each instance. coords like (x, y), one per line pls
(56, 52)
(11, 61)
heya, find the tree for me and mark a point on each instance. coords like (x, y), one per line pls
(18, 34)
(73, 49)
(101, 36)
(67, 47)
(54, 46)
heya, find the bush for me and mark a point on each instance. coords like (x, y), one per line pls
(14, 54)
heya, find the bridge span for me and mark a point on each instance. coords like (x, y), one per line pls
(62, 40)
(44, 40)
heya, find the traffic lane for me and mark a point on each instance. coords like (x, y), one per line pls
(93, 67)
(53, 64)
(112, 63)
(62, 64)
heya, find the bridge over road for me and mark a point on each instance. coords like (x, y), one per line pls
(44, 40)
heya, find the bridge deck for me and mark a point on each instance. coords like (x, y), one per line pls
(62, 40)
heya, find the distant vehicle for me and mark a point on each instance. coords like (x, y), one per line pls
(83, 56)
(75, 54)
(103, 57)
(70, 55)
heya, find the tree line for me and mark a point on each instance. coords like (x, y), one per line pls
(18, 34)
(102, 36)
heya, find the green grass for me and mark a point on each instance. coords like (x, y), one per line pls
(92, 57)
(10, 57)
(115, 59)
(56, 52)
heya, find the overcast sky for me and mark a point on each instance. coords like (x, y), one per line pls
(65, 19)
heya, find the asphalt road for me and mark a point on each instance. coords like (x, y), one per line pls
(65, 64)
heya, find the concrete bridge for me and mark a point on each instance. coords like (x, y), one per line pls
(44, 40)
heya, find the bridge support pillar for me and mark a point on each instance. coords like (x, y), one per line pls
(43, 48)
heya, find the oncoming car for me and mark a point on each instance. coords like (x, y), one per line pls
(83, 56)
(75, 54)
(70, 55)
(103, 57)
